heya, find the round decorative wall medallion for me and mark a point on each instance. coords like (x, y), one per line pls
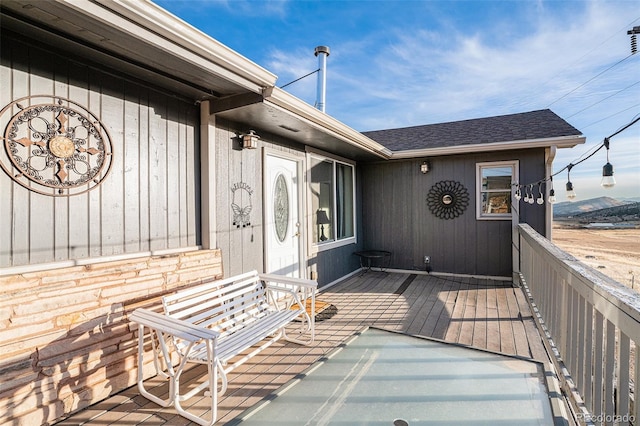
(448, 199)
(281, 207)
(54, 146)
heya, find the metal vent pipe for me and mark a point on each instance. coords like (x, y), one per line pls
(322, 52)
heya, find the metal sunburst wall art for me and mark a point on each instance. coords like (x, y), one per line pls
(54, 146)
(448, 199)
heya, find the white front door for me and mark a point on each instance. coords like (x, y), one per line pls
(283, 229)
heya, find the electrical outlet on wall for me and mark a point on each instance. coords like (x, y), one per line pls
(427, 260)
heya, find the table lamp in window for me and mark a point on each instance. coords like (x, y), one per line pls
(322, 219)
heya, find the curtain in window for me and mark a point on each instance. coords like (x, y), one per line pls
(340, 225)
(344, 201)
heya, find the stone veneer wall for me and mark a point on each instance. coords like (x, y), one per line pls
(65, 342)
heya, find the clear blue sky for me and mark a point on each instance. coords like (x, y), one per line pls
(405, 63)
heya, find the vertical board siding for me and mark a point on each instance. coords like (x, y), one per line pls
(149, 200)
(396, 216)
(132, 167)
(242, 247)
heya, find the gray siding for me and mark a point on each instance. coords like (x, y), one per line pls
(339, 262)
(396, 216)
(150, 199)
(243, 247)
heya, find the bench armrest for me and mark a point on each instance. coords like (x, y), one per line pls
(270, 279)
(172, 326)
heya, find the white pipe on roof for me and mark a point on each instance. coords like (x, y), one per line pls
(322, 52)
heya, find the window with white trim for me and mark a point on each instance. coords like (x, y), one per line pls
(332, 200)
(494, 184)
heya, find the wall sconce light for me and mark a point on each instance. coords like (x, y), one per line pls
(250, 140)
(425, 167)
(322, 219)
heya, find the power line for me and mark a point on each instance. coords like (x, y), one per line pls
(590, 80)
(603, 99)
(609, 116)
(589, 52)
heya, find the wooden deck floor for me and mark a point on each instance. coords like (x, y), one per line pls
(480, 313)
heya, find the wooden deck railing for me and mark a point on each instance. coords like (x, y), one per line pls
(592, 325)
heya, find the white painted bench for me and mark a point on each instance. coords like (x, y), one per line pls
(221, 324)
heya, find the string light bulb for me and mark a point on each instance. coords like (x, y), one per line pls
(540, 199)
(607, 170)
(552, 196)
(531, 199)
(552, 192)
(571, 194)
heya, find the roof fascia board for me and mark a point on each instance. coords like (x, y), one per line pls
(145, 20)
(562, 142)
(281, 99)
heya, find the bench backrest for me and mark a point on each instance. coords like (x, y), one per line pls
(224, 306)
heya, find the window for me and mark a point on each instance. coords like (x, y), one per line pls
(494, 189)
(332, 192)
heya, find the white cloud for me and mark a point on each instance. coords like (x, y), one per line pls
(546, 55)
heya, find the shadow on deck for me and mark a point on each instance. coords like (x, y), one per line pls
(485, 314)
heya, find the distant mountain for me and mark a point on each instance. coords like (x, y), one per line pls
(631, 199)
(569, 208)
(624, 213)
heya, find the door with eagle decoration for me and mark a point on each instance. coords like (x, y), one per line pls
(282, 214)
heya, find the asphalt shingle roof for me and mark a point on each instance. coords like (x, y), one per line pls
(524, 126)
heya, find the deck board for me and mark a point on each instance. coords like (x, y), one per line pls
(486, 314)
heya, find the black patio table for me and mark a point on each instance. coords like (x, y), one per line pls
(373, 258)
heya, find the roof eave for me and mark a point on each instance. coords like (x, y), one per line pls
(316, 118)
(559, 142)
(144, 19)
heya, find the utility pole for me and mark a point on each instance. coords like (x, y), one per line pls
(634, 42)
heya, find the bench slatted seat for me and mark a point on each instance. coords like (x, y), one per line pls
(221, 324)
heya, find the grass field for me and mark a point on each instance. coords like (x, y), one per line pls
(614, 252)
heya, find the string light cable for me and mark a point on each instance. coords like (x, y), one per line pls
(607, 173)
